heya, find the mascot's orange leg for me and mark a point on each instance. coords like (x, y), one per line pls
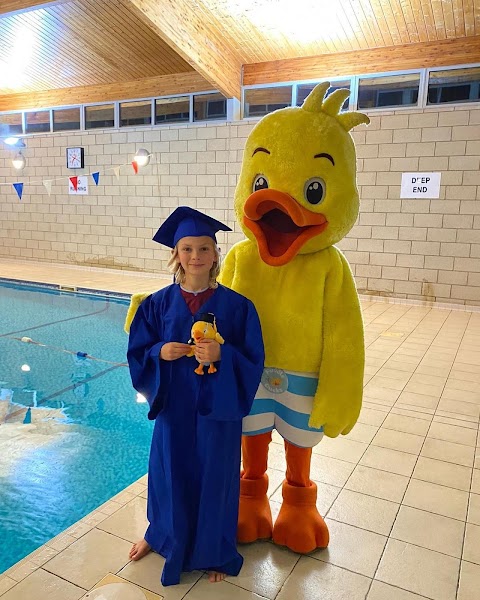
(255, 517)
(299, 525)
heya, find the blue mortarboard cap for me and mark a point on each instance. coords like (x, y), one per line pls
(184, 222)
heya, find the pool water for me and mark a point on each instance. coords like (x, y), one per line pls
(72, 433)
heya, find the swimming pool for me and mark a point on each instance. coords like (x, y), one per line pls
(72, 433)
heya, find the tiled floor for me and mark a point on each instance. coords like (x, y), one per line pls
(401, 493)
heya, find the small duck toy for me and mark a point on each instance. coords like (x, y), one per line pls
(204, 328)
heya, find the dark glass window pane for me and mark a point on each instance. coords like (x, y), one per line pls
(38, 121)
(172, 110)
(135, 113)
(208, 107)
(101, 115)
(261, 101)
(10, 123)
(66, 119)
(388, 90)
(455, 93)
(454, 85)
(305, 88)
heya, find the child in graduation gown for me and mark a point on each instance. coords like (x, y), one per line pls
(193, 479)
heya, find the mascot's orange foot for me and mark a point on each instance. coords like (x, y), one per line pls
(255, 516)
(299, 525)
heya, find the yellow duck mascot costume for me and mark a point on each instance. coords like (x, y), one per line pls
(296, 197)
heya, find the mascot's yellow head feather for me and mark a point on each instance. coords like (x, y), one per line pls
(318, 206)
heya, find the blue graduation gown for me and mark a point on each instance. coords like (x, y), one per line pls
(194, 469)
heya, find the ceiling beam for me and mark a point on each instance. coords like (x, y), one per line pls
(166, 85)
(192, 33)
(393, 58)
(9, 7)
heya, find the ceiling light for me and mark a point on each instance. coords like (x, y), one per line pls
(309, 22)
(142, 157)
(19, 161)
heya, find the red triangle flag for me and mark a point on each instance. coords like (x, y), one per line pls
(74, 181)
(135, 166)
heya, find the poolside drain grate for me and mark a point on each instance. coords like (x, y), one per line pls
(67, 288)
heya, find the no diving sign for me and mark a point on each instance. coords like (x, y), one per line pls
(420, 185)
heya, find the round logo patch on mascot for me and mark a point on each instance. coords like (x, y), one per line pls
(275, 380)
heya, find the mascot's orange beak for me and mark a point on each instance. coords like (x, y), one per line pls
(280, 225)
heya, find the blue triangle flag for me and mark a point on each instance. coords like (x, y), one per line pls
(19, 189)
(96, 177)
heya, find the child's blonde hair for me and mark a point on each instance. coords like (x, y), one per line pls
(176, 268)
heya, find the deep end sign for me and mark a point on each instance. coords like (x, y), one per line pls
(420, 185)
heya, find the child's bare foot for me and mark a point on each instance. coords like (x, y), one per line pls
(139, 550)
(215, 577)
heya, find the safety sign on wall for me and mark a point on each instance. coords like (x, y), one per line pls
(78, 185)
(420, 185)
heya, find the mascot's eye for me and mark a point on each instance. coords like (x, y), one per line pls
(315, 189)
(260, 183)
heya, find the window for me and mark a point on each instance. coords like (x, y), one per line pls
(371, 91)
(305, 88)
(135, 113)
(37, 122)
(388, 90)
(207, 107)
(454, 85)
(66, 119)
(172, 110)
(261, 101)
(10, 123)
(99, 115)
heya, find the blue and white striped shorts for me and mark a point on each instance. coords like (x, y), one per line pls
(284, 402)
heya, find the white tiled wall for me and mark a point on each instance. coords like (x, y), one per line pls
(417, 249)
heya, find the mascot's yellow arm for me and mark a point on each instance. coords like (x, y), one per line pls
(135, 302)
(311, 323)
(338, 397)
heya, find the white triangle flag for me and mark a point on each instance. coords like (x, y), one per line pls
(48, 185)
(116, 170)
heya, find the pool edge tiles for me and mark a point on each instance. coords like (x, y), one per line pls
(65, 289)
(41, 555)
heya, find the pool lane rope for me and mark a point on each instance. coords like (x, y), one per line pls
(28, 340)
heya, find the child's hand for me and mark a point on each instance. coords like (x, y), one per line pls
(207, 351)
(174, 350)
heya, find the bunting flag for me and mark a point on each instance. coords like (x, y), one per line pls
(48, 185)
(77, 184)
(19, 189)
(74, 182)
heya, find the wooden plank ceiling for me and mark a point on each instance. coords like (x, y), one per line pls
(70, 51)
